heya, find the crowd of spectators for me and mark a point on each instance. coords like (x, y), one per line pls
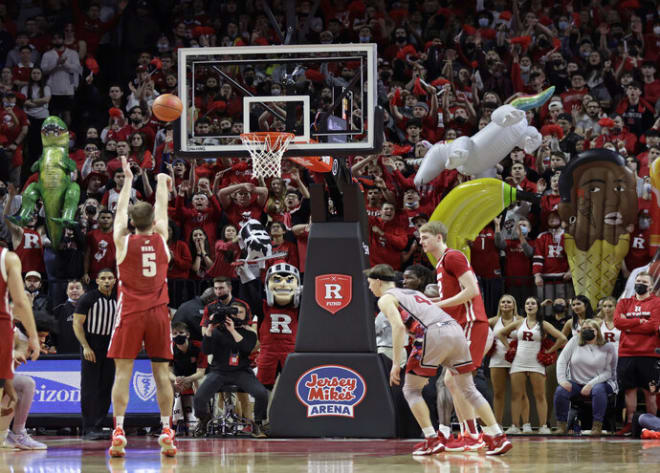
(443, 67)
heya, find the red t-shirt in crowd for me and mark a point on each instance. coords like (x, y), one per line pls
(638, 322)
(484, 256)
(31, 251)
(387, 248)
(102, 252)
(518, 268)
(181, 261)
(550, 259)
(234, 212)
(638, 254)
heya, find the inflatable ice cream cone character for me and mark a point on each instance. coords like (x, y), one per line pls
(599, 209)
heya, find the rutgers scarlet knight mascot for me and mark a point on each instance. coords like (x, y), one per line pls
(279, 324)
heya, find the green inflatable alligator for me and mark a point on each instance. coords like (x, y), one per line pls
(59, 195)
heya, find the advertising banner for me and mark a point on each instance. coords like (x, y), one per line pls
(58, 387)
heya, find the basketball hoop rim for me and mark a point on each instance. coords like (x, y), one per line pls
(274, 138)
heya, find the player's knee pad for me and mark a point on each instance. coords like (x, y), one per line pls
(468, 390)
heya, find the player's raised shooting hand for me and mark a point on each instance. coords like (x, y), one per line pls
(166, 179)
(125, 166)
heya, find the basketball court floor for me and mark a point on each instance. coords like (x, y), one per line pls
(530, 454)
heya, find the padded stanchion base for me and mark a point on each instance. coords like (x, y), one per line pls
(332, 395)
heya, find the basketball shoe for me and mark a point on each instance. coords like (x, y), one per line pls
(166, 441)
(650, 434)
(118, 443)
(497, 444)
(429, 446)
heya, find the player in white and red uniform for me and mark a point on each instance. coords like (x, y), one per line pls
(142, 313)
(279, 325)
(11, 284)
(459, 295)
(438, 341)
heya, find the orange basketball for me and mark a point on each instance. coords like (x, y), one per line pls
(167, 107)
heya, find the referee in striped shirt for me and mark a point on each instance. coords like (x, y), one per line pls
(93, 321)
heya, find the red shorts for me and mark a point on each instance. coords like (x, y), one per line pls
(268, 362)
(477, 336)
(6, 349)
(150, 326)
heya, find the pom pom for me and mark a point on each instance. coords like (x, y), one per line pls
(554, 130)
(606, 122)
(547, 359)
(511, 352)
(523, 41)
(470, 30)
(115, 112)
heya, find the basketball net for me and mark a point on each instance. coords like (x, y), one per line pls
(266, 149)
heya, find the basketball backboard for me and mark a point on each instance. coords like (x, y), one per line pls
(325, 94)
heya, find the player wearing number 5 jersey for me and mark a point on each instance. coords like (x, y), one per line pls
(459, 295)
(142, 313)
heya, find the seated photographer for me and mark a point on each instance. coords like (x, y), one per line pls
(230, 342)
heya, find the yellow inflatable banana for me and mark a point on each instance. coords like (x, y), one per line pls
(469, 207)
(599, 207)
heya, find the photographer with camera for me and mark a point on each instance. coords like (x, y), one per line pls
(230, 342)
(222, 297)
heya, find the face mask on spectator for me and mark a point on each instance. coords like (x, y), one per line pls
(400, 39)
(563, 25)
(524, 230)
(525, 68)
(656, 30)
(483, 22)
(7, 104)
(641, 289)
(644, 223)
(588, 334)
(364, 39)
(180, 339)
(3, 191)
(559, 308)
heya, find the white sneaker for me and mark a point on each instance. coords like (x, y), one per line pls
(513, 430)
(25, 442)
(544, 430)
(527, 428)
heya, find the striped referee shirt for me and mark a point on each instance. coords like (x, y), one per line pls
(100, 311)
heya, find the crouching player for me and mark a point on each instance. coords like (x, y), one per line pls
(438, 341)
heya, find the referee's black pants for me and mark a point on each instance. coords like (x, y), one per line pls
(96, 381)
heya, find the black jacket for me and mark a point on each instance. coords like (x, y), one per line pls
(190, 313)
(227, 354)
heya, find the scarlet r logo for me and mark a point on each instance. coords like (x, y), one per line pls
(333, 291)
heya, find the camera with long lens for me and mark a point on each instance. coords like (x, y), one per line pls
(219, 312)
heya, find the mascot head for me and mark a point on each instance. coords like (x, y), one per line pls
(283, 285)
(54, 132)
